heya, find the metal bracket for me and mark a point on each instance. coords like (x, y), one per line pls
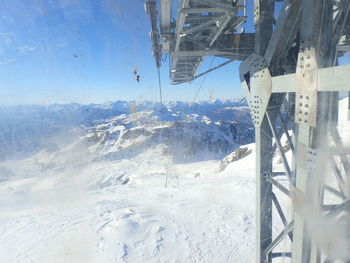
(257, 83)
(306, 92)
(311, 161)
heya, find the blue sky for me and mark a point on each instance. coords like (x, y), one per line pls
(85, 51)
(58, 51)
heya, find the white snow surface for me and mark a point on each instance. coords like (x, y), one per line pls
(119, 193)
(121, 211)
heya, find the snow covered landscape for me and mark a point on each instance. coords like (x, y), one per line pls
(130, 188)
(134, 185)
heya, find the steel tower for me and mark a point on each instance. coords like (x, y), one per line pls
(292, 81)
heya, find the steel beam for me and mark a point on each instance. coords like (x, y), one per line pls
(339, 75)
(281, 214)
(278, 239)
(278, 185)
(264, 156)
(312, 118)
(281, 151)
(165, 24)
(284, 33)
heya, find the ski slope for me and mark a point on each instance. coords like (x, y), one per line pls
(121, 211)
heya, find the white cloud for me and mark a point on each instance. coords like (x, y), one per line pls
(24, 49)
(7, 61)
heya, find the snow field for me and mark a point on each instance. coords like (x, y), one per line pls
(93, 214)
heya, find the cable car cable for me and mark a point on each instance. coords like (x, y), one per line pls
(205, 76)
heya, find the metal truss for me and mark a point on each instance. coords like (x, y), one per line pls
(203, 28)
(292, 80)
(294, 65)
(151, 9)
(199, 25)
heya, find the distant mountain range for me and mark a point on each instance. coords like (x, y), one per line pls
(26, 129)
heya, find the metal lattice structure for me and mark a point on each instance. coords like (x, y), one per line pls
(292, 80)
(203, 28)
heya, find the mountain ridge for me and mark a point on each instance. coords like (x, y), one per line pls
(27, 129)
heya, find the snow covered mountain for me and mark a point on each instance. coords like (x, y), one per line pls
(25, 130)
(184, 140)
(123, 187)
(128, 136)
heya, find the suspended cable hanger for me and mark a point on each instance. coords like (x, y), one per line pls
(205, 77)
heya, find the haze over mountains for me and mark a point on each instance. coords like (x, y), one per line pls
(27, 129)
